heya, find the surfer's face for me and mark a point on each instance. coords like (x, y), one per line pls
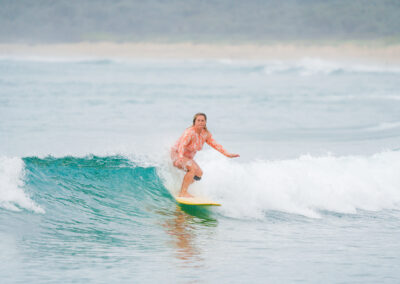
(200, 122)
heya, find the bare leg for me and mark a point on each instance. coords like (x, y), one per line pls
(192, 170)
(187, 180)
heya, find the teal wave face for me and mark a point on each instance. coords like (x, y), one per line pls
(101, 187)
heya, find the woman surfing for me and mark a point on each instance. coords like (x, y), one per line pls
(184, 150)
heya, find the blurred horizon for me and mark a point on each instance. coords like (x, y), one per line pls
(213, 21)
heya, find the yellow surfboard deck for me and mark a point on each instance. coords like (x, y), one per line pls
(196, 201)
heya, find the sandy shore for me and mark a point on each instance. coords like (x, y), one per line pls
(378, 54)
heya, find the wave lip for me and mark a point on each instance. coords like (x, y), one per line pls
(306, 186)
(12, 195)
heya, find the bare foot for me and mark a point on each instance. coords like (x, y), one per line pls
(185, 195)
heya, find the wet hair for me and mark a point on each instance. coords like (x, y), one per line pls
(200, 114)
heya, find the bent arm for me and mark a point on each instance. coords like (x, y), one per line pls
(187, 136)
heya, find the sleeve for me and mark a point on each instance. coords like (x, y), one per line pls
(210, 141)
(186, 138)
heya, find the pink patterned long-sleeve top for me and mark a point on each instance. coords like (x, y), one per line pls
(190, 142)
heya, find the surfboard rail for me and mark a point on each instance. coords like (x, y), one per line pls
(199, 201)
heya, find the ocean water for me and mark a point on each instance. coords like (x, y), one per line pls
(86, 182)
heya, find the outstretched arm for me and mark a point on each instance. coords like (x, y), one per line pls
(210, 141)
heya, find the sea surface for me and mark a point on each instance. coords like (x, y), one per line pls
(86, 182)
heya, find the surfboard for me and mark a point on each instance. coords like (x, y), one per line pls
(199, 201)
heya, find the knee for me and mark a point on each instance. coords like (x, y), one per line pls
(191, 171)
(195, 171)
(198, 174)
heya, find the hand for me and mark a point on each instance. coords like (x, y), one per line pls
(233, 155)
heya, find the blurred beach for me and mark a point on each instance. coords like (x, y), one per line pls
(359, 52)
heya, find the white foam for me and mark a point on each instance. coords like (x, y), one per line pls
(12, 196)
(384, 126)
(302, 186)
(313, 66)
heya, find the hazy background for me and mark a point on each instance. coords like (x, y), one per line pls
(48, 21)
